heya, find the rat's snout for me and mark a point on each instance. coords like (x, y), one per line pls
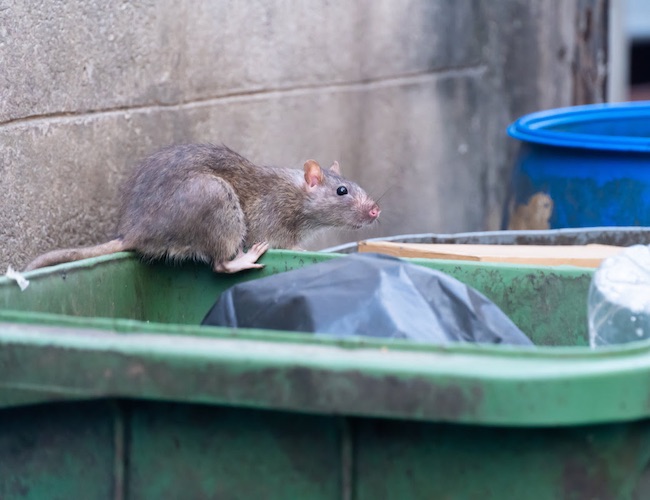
(366, 211)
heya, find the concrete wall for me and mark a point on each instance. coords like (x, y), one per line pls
(411, 96)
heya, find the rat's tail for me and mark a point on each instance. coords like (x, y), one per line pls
(72, 254)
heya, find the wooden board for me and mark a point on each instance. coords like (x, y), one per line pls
(549, 255)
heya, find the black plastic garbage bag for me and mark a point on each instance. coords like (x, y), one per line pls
(367, 294)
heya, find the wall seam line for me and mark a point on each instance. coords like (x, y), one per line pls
(369, 84)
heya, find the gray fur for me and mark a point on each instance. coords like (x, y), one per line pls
(207, 203)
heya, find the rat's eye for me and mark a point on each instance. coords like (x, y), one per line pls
(342, 190)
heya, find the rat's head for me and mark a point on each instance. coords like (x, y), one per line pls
(334, 201)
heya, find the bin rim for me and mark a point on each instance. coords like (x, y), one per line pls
(128, 326)
(504, 236)
(465, 384)
(533, 127)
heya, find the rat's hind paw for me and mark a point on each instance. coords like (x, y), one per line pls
(243, 260)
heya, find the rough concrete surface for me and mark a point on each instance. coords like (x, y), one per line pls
(411, 96)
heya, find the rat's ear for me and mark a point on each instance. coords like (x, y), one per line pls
(313, 173)
(335, 168)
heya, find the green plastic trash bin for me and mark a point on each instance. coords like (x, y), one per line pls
(108, 389)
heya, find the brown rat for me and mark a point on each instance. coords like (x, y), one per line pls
(207, 203)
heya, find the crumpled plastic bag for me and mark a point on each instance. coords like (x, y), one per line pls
(370, 295)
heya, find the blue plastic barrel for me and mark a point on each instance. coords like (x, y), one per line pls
(582, 166)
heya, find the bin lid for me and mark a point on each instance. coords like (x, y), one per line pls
(609, 127)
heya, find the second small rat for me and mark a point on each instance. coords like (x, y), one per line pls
(208, 203)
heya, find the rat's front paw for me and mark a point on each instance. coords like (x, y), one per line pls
(243, 260)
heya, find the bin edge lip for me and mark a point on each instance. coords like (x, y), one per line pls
(531, 128)
(352, 246)
(492, 353)
(157, 350)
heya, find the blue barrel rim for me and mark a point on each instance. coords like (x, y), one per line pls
(532, 127)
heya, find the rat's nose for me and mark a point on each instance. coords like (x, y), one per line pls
(374, 212)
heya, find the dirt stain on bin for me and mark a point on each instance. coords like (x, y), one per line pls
(586, 481)
(535, 214)
(363, 393)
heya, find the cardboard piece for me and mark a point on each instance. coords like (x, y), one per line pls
(546, 255)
